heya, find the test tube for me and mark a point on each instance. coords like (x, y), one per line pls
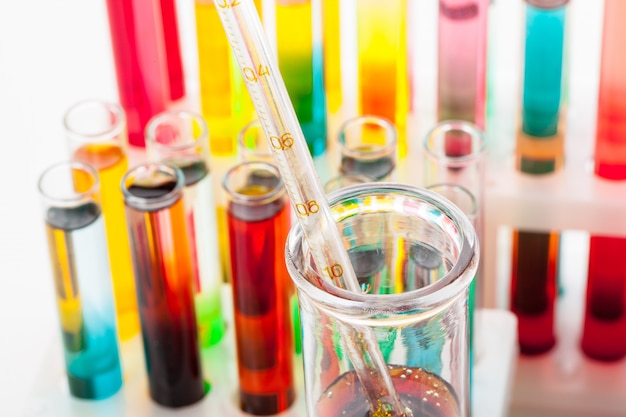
(181, 139)
(153, 195)
(138, 46)
(258, 223)
(301, 63)
(225, 103)
(332, 53)
(462, 60)
(253, 146)
(540, 151)
(383, 87)
(368, 146)
(96, 134)
(605, 322)
(175, 73)
(341, 181)
(82, 278)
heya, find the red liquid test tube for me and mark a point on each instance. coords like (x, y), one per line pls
(258, 224)
(604, 329)
(138, 44)
(164, 281)
(175, 72)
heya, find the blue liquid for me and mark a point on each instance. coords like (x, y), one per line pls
(543, 70)
(90, 348)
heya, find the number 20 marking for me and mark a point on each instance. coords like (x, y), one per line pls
(225, 4)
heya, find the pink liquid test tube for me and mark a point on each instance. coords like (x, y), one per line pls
(605, 319)
(462, 60)
(139, 53)
(175, 72)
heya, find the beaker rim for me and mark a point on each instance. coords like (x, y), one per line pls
(431, 296)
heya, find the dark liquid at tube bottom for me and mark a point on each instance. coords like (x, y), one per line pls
(167, 315)
(424, 393)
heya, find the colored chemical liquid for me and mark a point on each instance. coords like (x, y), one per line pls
(175, 72)
(202, 225)
(533, 289)
(225, 102)
(140, 67)
(300, 58)
(164, 277)
(462, 60)
(332, 54)
(605, 321)
(378, 169)
(543, 70)
(111, 163)
(382, 62)
(424, 393)
(261, 296)
(78, 252)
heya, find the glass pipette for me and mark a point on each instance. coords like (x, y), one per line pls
(277, 116)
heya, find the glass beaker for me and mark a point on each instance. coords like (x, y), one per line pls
(415, 255)
(182, 139)
(80, 265)
(368, 146)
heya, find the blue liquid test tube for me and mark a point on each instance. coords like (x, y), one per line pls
(82, 278)
(540, 149)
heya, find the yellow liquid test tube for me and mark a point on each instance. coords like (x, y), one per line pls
(97, 136)
(332, 54)
(383, 85)
(225, 103)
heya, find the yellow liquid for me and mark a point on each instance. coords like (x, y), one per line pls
(111, 163)
(68, 299)
(382, 62)
(226, 105)
(332, 54)
(224, 244)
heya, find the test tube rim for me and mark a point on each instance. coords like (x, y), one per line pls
(272, 195)
(435, 294)
(244, 149)
(158, 203)
(465, 190)
(455, 125)
(201, 140)
(547, 4)
(114, 131)
(368, 119)
(79, 197)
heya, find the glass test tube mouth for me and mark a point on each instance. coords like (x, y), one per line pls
(424, 214)
(68, 184)
(342, 181)
(458, 142)
(257, 147)
(177, 131)
(459, 196)
(547, 4)
(380, 127)
(253, 183)
(94, 121)
(152, 186)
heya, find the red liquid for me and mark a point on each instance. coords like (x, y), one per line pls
(604, 331)
(172, 49)
(164, 283)
(533, 289)
(424, 393)
(139, 55)
(261, 291)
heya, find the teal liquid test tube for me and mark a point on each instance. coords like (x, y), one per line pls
(540, 151)
(301, 63)
(78, 253)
